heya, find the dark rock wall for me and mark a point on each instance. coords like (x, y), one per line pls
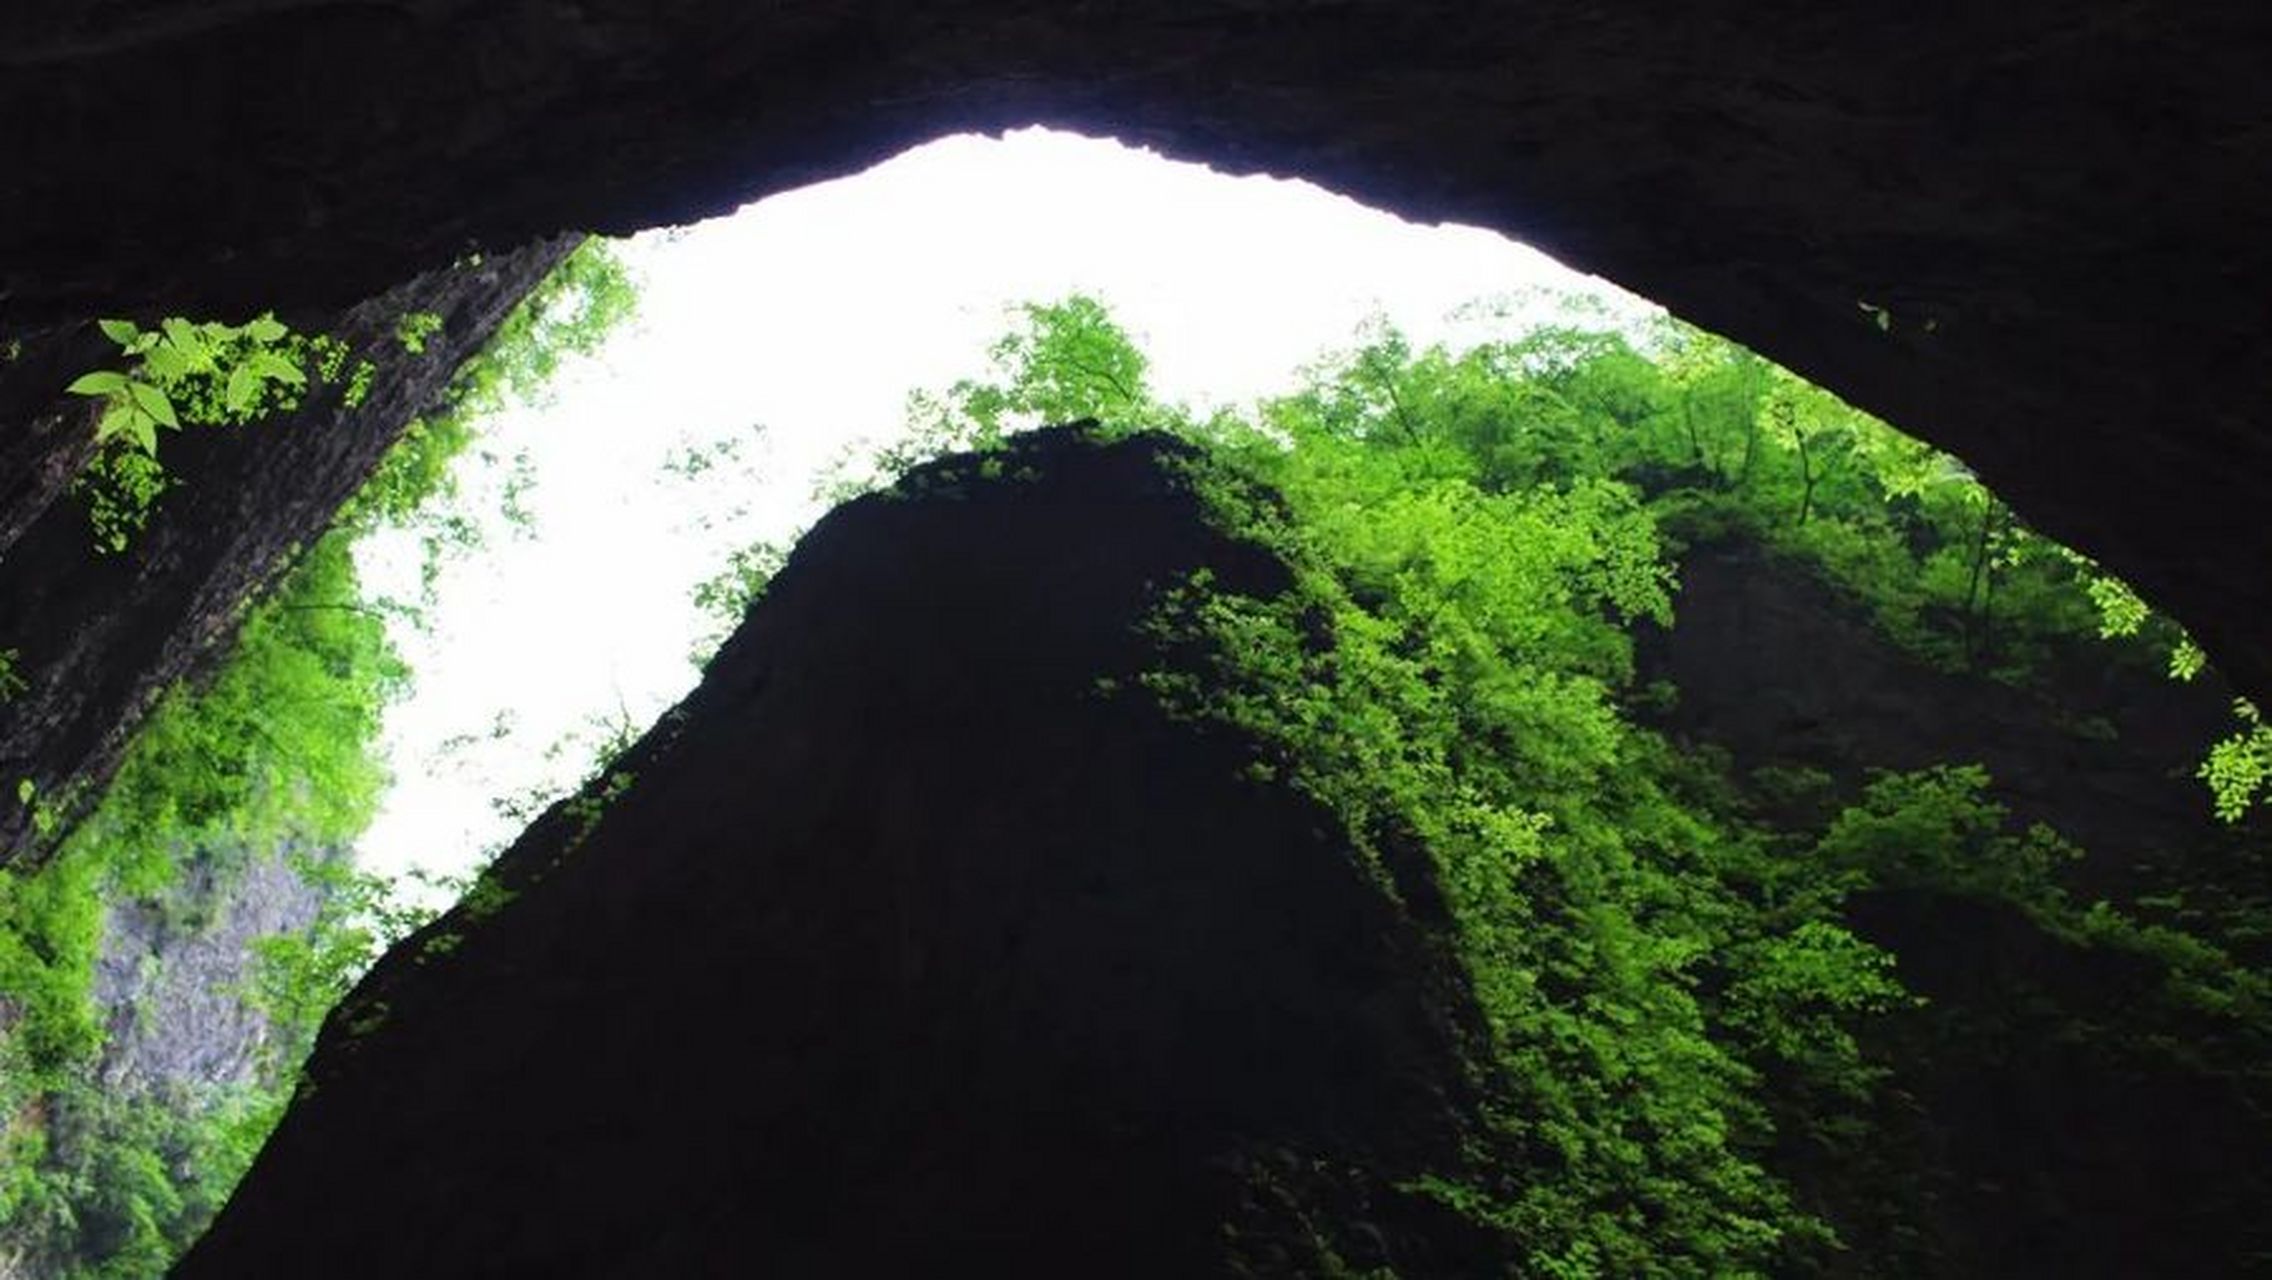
(2029, 1119)
(1775, 666)
(98, 634)
(2030, 232)
(911, 951)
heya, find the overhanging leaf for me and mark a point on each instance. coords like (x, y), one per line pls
(101, 382)
(115, 419)
(153, 402)
(121, 332)
(272, 365)
(244, 387)
(166, 363)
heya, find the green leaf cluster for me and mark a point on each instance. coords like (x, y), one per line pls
(2238, 770)
(726, 595)
(222, 372)
(1062, 361)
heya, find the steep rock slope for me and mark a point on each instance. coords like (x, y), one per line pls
(96, 634)
(910, 943)
(175, 980)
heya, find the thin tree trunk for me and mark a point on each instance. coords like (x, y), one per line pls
(1807, 478)
(1979, 591)
(1688, 418)
(1750, 431)
(1395, 401)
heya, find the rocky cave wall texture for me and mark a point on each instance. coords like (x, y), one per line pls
(96, 633)
(2029, 232)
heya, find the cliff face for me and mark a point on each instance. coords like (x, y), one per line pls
(2030, 233)
(98, 634)
(174, 978)
(2033, 1129)
(909, 943)
(1777, 668)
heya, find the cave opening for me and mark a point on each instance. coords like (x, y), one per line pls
(560, 589)
(1764, 705)
(774, 349)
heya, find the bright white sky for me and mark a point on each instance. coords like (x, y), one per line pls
(798, 325)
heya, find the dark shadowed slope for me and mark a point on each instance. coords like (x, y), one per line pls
(902, 947)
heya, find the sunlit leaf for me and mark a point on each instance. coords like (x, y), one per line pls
(113, 420)
(244, 388)
(101, 382)
(153, 402)
(183, 335)
(272, 365)
(166, 363)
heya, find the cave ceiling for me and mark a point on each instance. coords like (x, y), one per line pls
(2032, 233)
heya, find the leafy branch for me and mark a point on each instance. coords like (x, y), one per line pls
(185, 360)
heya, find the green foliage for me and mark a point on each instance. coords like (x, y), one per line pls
(277, 746)
(571, 312)
(1444, 675)
(1462, 698)
(2239, 768)
(726, 595)
(121, 486)
(1723, 445)
(204, 372)
(300, 977)
(415, 328)
(217, 372)
(123, 1184)
(1680, 1019)
(186, 373)
(199, 372)
(1937, 828)
(276, 750)
(1940, 830)
(1061, 361)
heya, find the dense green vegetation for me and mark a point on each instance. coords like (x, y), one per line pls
(184, 374)
(1699, 1062)
(272, 756)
